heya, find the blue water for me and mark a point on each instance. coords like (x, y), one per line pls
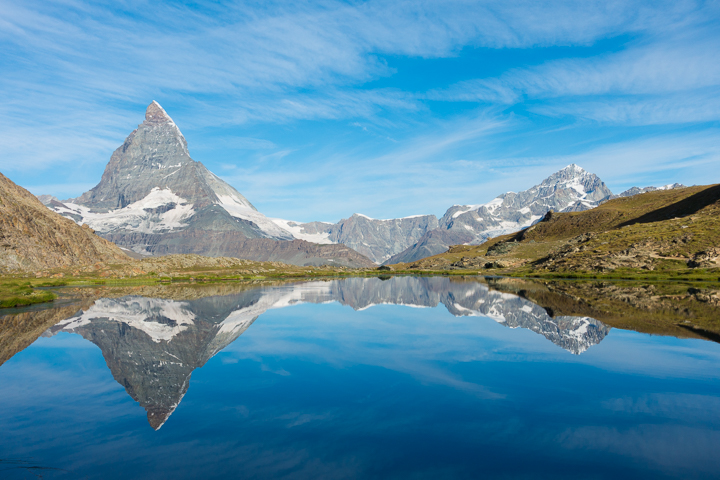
(355, 388)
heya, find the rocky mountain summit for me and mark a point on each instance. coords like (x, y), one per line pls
(35, 238)
(571, 189)
(154, 199)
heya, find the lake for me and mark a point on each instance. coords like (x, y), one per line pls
(402, 377)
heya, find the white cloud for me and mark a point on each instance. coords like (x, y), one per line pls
(686, 107)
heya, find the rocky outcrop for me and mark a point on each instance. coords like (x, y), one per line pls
(154, 199)
(706, 258)
(35, 238)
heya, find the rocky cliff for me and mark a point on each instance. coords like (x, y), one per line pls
(35, 238)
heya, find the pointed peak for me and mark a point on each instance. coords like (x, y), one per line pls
(571, 173)
(157, 416)
(156, 114)
(573, 168)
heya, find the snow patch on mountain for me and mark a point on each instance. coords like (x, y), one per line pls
(298, 231)
(239, 209)
(160, 211)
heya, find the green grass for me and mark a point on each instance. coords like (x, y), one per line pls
(18, 294)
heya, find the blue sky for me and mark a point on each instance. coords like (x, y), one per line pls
(317, 110)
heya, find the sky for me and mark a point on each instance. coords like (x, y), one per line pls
(318, 110)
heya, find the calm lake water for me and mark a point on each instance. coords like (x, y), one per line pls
(357, 378)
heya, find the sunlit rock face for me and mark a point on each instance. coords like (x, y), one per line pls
(152, 345)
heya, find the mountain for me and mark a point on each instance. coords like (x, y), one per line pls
(376, 239)
(672, 233)
(153, 345)
(154, 199)
(47, 199)
(35, 238)
(570, 189)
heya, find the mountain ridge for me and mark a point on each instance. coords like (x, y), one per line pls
(667, 231)
(386, 242)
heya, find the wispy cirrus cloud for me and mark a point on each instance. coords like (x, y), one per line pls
(699, 106)
(295, 78)
(670, 81)
(650, 70)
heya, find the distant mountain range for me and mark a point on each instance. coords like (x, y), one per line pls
(154, 199)
(152, 346)
(409, 239)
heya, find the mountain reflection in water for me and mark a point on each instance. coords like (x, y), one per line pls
(153, 345)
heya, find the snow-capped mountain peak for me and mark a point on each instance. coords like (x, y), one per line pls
(152, 186)
(572, 174)
(569, 189)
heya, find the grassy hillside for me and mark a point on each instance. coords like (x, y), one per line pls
(668, 233)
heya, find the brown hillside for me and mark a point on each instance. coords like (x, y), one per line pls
(32, 237)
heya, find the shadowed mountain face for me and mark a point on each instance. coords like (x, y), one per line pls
(152, 346)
